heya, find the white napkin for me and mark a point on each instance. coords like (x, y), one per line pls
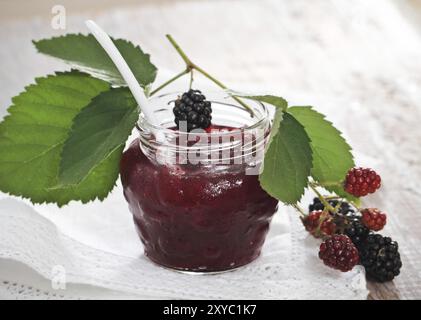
(96, 245)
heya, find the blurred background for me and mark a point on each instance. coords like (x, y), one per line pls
(357, 61)
(16, 9)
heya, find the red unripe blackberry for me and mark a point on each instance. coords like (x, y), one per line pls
(312, 222)
(373, 219)
(338, 252)
(361, 181)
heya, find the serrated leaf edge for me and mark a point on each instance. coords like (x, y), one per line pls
(147, 55)
(326, 185)
(277, 125)
(72, 130)
(36, 82)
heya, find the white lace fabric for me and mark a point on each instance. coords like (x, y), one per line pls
(287, 269)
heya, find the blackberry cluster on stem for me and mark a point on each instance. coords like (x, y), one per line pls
(319, 223)
(334, 221)
(344, 208)
(348, 231)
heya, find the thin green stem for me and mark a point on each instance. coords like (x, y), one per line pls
(324, 216)
(300, 210)
(355, 205)
(327, 184)
(333, 198)
(180, 51)
(221, 85)
(337, 207)
(322, 199)
(191, 79)
(190, 65)
(207, 75)
(166, 83)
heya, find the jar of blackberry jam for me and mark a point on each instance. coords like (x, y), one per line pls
(195, 197)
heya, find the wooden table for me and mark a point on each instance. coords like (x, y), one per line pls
(358, 62)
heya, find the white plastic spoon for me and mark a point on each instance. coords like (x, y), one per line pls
(105, 41)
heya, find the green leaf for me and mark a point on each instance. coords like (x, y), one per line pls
(98, 130)
(278, 102)
(85, 53)
(288, 160)
(332, 157)
(32, 138)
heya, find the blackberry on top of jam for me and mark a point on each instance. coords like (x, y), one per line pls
(192, 108)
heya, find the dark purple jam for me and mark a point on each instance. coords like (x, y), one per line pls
(193, 218)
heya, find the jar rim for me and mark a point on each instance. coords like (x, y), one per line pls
(143, 123)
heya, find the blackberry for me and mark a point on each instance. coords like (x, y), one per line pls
(316, 205)
(313, 226)
(192, 108)
(357, 232)
(338, 252)
(344, 209)
(380, 257)
(373, 219)
(361, 181)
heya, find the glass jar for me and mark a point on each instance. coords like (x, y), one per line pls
(203, 213)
